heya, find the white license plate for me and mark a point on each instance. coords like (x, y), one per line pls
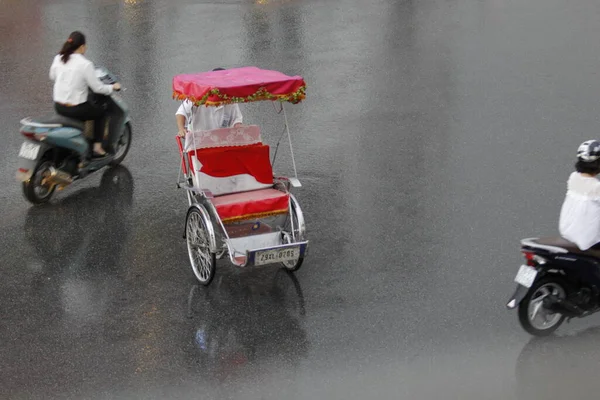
(526, 276)
(29, 150)
(274, 256)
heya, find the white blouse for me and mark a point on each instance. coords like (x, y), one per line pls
(580, 213)
(73, 78)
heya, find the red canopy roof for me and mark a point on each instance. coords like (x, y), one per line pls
(238, 85)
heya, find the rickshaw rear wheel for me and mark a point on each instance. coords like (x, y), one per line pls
(202, 259)
(291, 265)
(293, 225)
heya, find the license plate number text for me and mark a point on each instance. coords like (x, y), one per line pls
(29, 150)
(274, 256)
(526, 276)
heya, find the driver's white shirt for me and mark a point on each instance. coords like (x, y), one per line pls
(208, 118)
(580, 213)
(72, 79)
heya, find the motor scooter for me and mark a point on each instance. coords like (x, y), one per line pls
(558, 281)
(57, 150)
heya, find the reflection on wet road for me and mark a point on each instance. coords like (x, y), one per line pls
(434, 136)
(234, 326)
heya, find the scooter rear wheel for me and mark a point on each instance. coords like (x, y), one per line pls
(533, 316)
(33, 189)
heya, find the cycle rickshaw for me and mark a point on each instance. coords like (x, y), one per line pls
(237, 207)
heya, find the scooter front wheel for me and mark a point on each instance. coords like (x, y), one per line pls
(36, 190)
(123, 145)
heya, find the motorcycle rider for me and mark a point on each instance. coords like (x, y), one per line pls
(73, 74)
(580, 213)
(207, 118)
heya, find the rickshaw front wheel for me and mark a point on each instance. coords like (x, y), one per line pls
(202, 259)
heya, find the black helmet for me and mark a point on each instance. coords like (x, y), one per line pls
(589, 151)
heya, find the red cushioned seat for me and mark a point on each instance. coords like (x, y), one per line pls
(254, 204)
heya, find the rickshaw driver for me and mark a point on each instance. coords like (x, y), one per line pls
(207, 118)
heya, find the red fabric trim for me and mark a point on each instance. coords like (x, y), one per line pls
(255, 216)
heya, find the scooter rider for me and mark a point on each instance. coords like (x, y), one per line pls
(580, 212)
(73, 74)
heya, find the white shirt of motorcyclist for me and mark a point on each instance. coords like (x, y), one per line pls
(580, 213)
(73, 78)
(208, 118)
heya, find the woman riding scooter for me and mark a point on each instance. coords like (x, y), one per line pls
(73, 74)
(580, 212)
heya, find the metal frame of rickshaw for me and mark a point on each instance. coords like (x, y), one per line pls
(219, 241)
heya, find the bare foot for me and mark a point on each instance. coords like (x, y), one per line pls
(99, 150)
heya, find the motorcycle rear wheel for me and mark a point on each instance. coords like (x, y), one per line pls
(532, 306)
(33, 189)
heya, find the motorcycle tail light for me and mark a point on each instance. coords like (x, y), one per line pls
(29, 135)
(34, 136)
(533, 259)
(529, 257)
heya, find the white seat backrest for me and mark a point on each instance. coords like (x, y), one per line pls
(223, 137)
(230, 184)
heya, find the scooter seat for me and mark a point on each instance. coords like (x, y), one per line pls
(567, 245)
(60, 120)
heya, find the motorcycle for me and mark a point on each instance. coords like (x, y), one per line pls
(558, 282)
(57, 150)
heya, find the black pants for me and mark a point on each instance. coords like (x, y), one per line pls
(85, 112)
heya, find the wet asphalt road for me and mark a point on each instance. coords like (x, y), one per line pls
(435, 135)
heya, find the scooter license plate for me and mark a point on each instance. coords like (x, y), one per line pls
(273, 256)
(29, 150)
(526, 276)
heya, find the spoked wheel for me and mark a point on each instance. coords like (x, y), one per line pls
(203, 260)
(294, 264)
(36, 190)
(123, 145)
(534, 317)
(293, 231)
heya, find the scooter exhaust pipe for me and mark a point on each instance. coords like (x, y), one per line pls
(58, 177)
(562, 306)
